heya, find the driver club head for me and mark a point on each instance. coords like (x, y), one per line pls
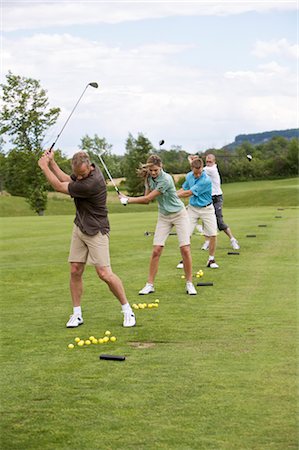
(100, 151)
(249, 157)
(93, 84)
(161, 142)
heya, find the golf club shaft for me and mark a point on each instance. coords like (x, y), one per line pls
(108, 173)
(93, 84)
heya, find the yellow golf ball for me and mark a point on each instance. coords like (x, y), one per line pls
(150, 305)
(182, 276)
(77, 339)
(71, 346)
(107, 333)
(155, 305)
(91, 338)
(81, 343)
(113, 339)
(94, 341)
(157, 300)
(87, 342)
(105, 339)
(101, 341)
(135, 306)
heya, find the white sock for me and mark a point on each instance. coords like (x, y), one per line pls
(126, 307)
(232, 239)
(77, 311)
(211, 257)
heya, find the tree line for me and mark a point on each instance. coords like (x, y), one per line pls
(25, 118)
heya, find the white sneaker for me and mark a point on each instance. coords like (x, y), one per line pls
(129, 319)
(234, 243)
(212, 264)
(148, 289)
(205, 245)
(180, 265)
(74, 321)
(190, 289)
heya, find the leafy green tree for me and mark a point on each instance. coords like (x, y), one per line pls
(2, 170)
(25, 118)
(174, 160)
(94, 147)
(137, 152)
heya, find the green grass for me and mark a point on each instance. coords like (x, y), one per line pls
(221, 369)
(254, 193)
(259, 193)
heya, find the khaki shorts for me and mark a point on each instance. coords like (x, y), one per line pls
(165, 223)
(93, 250)
(207, 216)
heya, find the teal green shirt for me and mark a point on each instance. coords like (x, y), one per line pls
(168, 201)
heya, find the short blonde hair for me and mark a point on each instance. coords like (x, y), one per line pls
(197, 163)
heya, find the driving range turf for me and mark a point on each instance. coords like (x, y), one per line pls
(212, 371)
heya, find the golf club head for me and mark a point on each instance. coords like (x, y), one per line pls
(101, 151)
(93, 84)
(249, 157)
(161, 142)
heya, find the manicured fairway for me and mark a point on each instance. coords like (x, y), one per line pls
(212, 371)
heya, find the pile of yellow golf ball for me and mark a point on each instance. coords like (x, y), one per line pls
(146, 305)
(93, 340)
(198, 274)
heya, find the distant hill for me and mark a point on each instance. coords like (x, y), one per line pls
(261, 138)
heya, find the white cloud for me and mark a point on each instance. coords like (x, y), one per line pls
(280, 47)
(33, 15)
(147, 88)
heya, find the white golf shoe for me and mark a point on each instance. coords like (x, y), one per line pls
(190, 289)
(180, 265)
(206, 245)
(148, 289)
(74, 321)
(212, 264)
(234, 243)
(129, 319)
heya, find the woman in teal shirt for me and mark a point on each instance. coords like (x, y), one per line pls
(171, 212)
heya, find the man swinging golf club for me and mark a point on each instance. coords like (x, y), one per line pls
(90, 238)
(198, 187)
(211, 170)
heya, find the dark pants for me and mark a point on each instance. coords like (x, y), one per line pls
(218, 202)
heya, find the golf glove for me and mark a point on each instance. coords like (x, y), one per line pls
(124, 200)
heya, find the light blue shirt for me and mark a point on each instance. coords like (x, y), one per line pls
(201, 188)
(168, 201)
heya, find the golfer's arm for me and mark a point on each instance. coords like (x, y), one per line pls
(145, 199)
(59, 186)
(181, 193)
(60, 174)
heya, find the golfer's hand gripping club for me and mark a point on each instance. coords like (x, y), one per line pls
(123, 199)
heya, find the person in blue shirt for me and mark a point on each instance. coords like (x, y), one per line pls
(198, 187)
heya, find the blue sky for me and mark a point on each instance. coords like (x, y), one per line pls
(193, 73)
